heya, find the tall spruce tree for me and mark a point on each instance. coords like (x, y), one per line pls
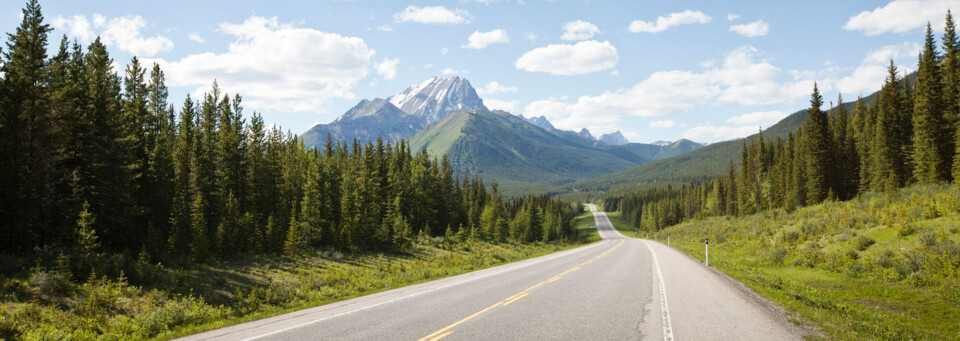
(25, 134)
(951, 85)
(888, 163)
(817, 150)
(930, 150)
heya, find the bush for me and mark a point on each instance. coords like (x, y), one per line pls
(777, 255)
(928, 239)
(863, 242)
(51, 283)
(886, 259)
(906, 229)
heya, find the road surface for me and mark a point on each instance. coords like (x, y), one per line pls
(618, 289)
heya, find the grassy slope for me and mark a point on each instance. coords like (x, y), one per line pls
(47, 305)
(877, 267)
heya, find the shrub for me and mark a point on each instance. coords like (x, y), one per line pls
(863, 242)
(928, 239)
(52, 283)
(777, 255)
(906, 229)
(886, 259)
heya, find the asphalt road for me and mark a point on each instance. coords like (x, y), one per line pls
(618, 289)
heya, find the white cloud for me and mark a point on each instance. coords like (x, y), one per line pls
(672, 19)
(747, 81)
(195, 37)
(715, 134)
(732, 17)
(76, 26)
(739, 79)
(495, 87)
(432, 15)
(508, 106)
(480, 40)
(278, 66)
(385, 28)
(122, 32)
(760, 118)
(444, 50)
(757, 28)
(387, 68)
(869, 76)
(663, 124)
(564, 59)
(901, 16)
(579, 30)
(530, 36)
(450, 72)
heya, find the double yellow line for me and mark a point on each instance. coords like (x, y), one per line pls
(446, 331)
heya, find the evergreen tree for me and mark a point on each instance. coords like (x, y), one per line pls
(951, 84)
(888, 165)
(25, 133)
(929, 151)
(817, 150)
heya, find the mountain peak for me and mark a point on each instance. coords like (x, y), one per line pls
(613, 139)
(541, 122)
(584, 133)
(435, 98)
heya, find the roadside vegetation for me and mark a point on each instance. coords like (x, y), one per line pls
(882, 266)
(48, 304)
(124, 217)
(851, 223)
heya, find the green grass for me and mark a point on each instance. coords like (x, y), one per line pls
(587, 235)
(48, 304)
(819, 264)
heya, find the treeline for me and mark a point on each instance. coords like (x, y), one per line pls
(908, 135)
(93, 162)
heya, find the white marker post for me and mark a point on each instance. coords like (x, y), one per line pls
(668, 240)
(706, 245)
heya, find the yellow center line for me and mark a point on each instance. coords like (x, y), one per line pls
(442, 336)
(517, 298)
(445, 331)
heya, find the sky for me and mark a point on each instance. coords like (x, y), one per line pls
(655, 70)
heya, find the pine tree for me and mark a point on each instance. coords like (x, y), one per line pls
(817, 150)
(951, 85)
(25, 133)
(888, 164)
(183, 159)
(929, 151)
(107, 182)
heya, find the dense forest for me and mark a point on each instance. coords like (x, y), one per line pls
(907, 136)
(96, 163)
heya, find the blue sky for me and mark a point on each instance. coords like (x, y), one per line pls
(655, 70)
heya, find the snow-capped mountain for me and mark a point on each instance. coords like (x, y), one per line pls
(436, 98)
(399, 116)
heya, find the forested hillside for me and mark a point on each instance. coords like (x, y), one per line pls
(700, 164)
(97, 163)
(109, 189)
(908, 135)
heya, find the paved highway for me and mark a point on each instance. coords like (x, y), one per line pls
(618, 289)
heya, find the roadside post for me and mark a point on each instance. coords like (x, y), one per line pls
(668, 240)
(706, 246)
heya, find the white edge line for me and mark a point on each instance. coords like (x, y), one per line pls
(667, 328)
(419, 293)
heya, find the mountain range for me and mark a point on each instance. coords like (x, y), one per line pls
(400, 116)
(447, 117)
